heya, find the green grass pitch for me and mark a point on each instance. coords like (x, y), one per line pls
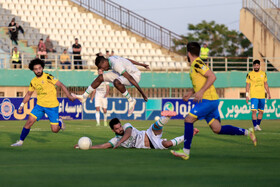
(48, 159)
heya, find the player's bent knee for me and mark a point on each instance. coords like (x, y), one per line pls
(55, 128)
(117, 82)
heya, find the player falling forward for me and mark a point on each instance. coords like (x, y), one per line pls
(124, 73)
(47, 102)
(257, 82)
(207, 102)
(100, 100)
(128, 136)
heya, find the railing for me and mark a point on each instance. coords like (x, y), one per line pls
(131, 21)
(276, 2)
(256, 9)
(87, 63)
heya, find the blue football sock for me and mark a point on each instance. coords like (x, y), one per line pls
(259, 121)
(188, 135)
(59, 124)
(156, 126)
(24, 133)
(231, 130)
(254, 122)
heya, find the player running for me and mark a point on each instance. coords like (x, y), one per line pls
(257, 82)
(47, 102)
(128, 136)
(124, 73)
(207, 102)
(100, 100)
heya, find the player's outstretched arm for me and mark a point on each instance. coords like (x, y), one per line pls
(267, 90)
(139, 64)
(127, 134)
(211, 77)
(25, 100)
(134, 83)
(102, 146)
(64, 89)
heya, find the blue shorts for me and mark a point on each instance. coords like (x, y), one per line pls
(207, 109)
(257, 104)
(38, 112)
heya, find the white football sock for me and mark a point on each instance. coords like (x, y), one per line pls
(88, 91)
(105, 117)
(177, 140)
(187, 151)
(97, 115)
(127, 95)
(163, 120)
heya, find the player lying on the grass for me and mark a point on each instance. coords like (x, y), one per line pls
(128, 136)
(47, 102)
(124, 73)
(207, 103)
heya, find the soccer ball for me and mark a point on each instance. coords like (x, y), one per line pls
(84, 143)
(157, 118)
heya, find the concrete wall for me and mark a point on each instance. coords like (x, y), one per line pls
(234, 93)
(264, 42)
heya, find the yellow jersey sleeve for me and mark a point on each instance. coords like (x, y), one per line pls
(200, 67)
(31, 87)
(51, 79)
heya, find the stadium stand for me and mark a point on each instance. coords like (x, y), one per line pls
(65, 20)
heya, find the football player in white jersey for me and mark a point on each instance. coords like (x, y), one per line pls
(124, 73)
(100, 95)
(128, 136)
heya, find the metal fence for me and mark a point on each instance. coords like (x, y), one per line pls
(52, 61)
(257, 9)
(131, 21)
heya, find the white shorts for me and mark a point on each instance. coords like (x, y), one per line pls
(112, 75)
(101, 102)
(155, 139)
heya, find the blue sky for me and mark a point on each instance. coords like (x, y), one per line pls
(175, 15)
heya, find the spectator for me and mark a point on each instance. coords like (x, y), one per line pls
(14, 28)
(77, 48)
(65, 59)
(204, 53)
(112, 53)
(49, 45)
(43, 56)
(16, 58)
(41, 45)
(107, 55)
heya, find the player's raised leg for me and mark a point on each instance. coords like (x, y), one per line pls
(122, 89)
(90, 89)
(232, 130)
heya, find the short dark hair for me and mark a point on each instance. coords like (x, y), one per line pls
(113, 122)
(193, 48)
(99, 59)
(34, 62)
(256, 62)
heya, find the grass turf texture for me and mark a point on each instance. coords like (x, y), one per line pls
(48, 159)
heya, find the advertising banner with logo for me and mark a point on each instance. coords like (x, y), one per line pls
(117, 108)
(228, 108)
(9, 109)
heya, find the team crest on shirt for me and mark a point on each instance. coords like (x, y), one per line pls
(261, 75)
(42, 82)
(203, 67)
(7, 108)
